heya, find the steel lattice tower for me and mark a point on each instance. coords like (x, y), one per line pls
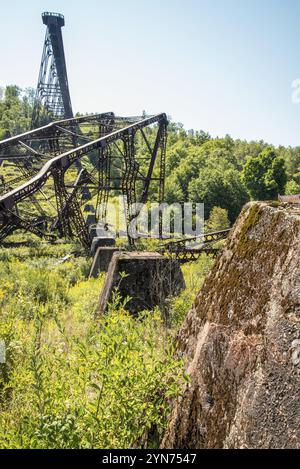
(52, 99)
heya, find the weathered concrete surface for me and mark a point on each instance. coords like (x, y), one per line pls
(241, 341)
(150, 279)
(99, 241)
(102, 259)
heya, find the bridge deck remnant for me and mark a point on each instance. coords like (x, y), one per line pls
(190, 249)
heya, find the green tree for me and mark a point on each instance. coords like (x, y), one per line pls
(216, 187)
(12, 94)
(292, 188)
(173, 190)
(264, 175)
(291, 157)
(15, 111)
(218, 219)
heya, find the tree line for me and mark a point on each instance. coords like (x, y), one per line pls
(226, 173)
(221, 172)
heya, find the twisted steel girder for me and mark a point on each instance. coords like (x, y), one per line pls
(69, 216)
(181, 251)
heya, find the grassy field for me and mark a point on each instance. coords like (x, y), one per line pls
(70, 381)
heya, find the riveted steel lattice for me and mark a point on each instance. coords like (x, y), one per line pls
(52, 99)
(106, 151)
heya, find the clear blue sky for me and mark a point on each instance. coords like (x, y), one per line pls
(225, 66)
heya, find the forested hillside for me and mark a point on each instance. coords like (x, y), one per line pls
(227, 173)
(221, 172)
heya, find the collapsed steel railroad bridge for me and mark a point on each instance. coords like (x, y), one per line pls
(67, 163)
(57, 177)
(52, 174)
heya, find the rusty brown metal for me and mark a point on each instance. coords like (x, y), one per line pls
(190, 249)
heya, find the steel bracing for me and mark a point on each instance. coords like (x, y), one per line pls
(52, 100)
(70, 163)
(190, 249)
(58, 175)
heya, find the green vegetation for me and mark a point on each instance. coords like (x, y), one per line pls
(15, 111)
(226, 173)
(218, 220)
(221, 172)
(70, 381)
(292, 187)
(265, 175)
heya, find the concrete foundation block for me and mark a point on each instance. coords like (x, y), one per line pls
(98, 242)
(102, 259)
(150, 280)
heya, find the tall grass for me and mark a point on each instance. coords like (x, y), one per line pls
(72, 382)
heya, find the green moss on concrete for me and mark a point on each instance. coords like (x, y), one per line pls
(251, 220)
(247, 247)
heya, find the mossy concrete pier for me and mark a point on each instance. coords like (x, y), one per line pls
(241, 340)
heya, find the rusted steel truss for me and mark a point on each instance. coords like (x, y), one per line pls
(190, 249)
(52, 100)
(70, 163)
